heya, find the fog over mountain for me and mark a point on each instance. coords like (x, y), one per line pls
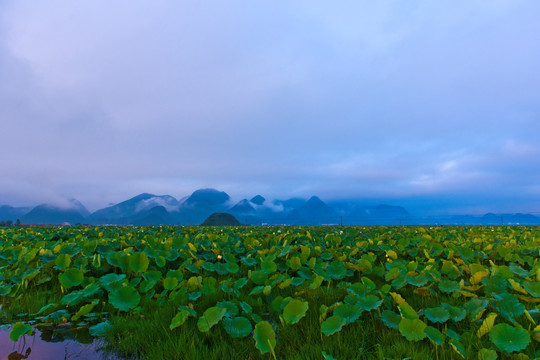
(149, 209)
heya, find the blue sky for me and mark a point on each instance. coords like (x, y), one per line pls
(433, 105)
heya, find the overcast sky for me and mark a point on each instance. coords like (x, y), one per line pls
(430, 104)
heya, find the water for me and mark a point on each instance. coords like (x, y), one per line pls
(53, 344)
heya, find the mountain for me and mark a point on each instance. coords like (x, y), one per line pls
(13, 213)
(132, 207)
(207, 198)
(258, 200)
(314, 211)
(52, 214)
(221, 219)
(158, 215)
(243, 207)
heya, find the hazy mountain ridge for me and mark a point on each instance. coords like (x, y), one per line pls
(150, 209)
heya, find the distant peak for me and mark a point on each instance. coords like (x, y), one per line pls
(258, 200)
(208, 197)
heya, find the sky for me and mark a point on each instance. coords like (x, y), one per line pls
(434, 105)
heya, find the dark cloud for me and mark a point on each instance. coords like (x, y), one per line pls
(403, 101)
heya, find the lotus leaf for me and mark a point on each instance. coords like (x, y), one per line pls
(456, 313)
(210, 317)
(349, 312)
(265, 337)
(434, 335)
(508, 338)
(487, 325)
(232, 308)
(487, 354)
(5, 290)
(63, 261)
(84, 310)
(369, 302)
(332, 325)
(294, 311)
(71, 277)
(138, 262)
(438, 314)
(391, 319)
(170, 283)
(232, 267)
(412, 329)
(328, 357)
(407, 311)
(237, 327)
(458, 347)
(294, 263)
(72, 298)
(494, 285)
(20, 329)
(268, 266)
(180, 318)
(509, 306)
(336, 270)
(125, 298)
(99, 330)
(259, 277)
(246, 307)
(448, 286)
(532, 288)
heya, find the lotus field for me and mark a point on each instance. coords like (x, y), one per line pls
(280, 292)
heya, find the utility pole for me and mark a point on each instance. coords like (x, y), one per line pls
(502, 220)
(341, 220)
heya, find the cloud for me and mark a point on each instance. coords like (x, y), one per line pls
(101, 101)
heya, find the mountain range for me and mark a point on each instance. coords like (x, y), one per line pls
(149, 209)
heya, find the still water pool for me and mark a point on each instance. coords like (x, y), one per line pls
(53, 344)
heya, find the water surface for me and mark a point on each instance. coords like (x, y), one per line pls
(53, 344)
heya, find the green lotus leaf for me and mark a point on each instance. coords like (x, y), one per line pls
(232, 308)
(232, 267)
(297, 281)
(475, 306)
(138, 262)
(210, 317)
(259, 277)
(407, 311)
(19, 329)
(268, 266)
(153, 275)
(332, 325)
(72, 298)
(518, 270)
(63, 261)
(71, 277)
(248, 261)
(180, 318)
(532, 288)
(487, 354)
(336, 270)
(508, 338)
(418, 280)
(100, 330)
(349, 312)
(509, 306)
(240, 283)
(246, 307)
(458, 347)
(369, 302)
(438, 314)
(208, 266)
(91, 290)
(5, 290)
(112, 281)
(125, 298)
(237, 327)
(170, 283)
(412, 329)
(294, 311)
(294, 263)
(456, 313)
(448, 286)
(390, 319)
(265, 337)
(194, 296)
(84, 310)
(434, 335)
(452, 334)
(494, 285)
(327, 356)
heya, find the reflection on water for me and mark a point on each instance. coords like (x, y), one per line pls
(53, 344)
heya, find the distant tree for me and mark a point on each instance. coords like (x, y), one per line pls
(9, 223)
(18, 223)
(2, 223)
